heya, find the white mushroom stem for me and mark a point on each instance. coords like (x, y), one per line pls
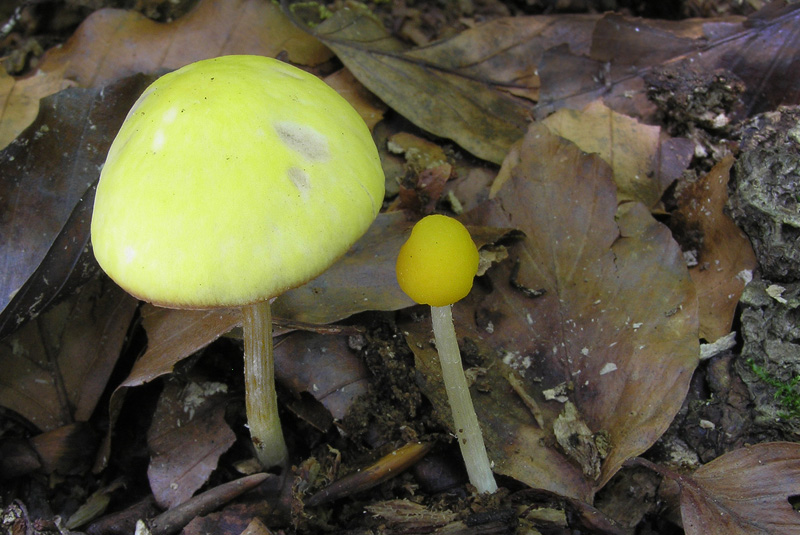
(468, 431)
(259, 382)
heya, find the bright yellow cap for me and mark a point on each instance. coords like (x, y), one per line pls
(232, 180)
(438, 262)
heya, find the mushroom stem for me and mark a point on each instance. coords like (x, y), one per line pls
(261, 399)
(467, 429)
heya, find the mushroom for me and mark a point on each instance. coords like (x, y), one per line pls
(436, 267)
(232, 180)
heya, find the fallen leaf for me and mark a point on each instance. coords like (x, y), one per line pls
(186, 438)
(477, 88)
(615, 330)
(55, 369)
(363, 279)
(172, 337)
(435, 97)
(507, 50)
(643, 162)
(724, 252)
(132, 43)
(47, 193)
(68, 449)
(323, 366)
(365, 103)
(759, 50)
(744, 492)
(20, 98)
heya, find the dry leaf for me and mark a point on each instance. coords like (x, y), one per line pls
(132, 43)
(761, 51)
(363, 279)
(365, 103)
(644, 164)
(173, 337)
(615, 331)
(68, 449)
(186, 438)
(507, 51)
(47, 193)
(724, 252)
(55, 369)
(465, 88)
(20, 99)
(744, 492)
(437, 98)
(323, 366)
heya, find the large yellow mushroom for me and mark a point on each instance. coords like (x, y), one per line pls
(231, 181)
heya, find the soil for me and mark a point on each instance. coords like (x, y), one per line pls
(732, 400)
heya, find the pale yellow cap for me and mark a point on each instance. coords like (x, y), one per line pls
(232, 180)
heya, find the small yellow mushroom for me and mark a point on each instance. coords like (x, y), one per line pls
(436, 267)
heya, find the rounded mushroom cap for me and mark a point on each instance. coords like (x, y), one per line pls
(437, 264)
(232, 180)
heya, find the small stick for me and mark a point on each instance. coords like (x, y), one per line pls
(176, 518)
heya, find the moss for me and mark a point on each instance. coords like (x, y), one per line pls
(785, 392)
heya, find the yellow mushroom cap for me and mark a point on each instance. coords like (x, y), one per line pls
(232, 180)
(437, 264)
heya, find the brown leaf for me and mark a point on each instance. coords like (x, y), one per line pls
(507, 50)
(435, 96)
(324, 366)
(67, 450)
(20, 99)
(132, 43)
(636, 152)
(56, 367)
(365, 103)
(363, 279)
(47, 193)
(761, 51)
(744, 492)
(186, 439)
(615, 331)
(171, 337)
(724, 253)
